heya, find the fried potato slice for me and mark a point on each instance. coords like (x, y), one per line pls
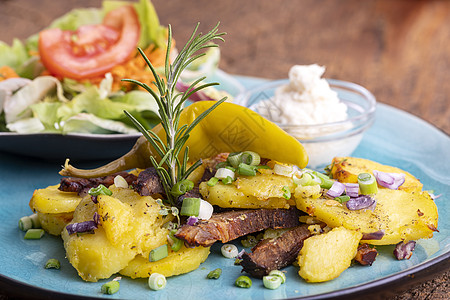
(324, 257)
(180, 262)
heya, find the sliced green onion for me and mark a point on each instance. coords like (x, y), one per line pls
(181, 187)
(229, 251)
(214, 274)
(157, 281)
(325, 181)
(206, 210)
(286, 193)
(34, 234)
(246, 170)
(283, 170)
(159, 253)
(230, 168)
(307, 180)
(29, 222)
(222, 164)
(190, 207)
(250, 158)
(243, 282)
(234, 159)
(213, 181)
(227, 180)
(110, 287)
(272, 282)
(278, 273)
(367, 184)
(175, 243)
(120, 182)
(35, 220)
(342, 199)
(53, 263)
(100, 190)
(25, 223)
(223, 173)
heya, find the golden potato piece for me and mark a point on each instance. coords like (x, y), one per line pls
(114, 217)
(347, 169)
(130, 225)
(180, 262)
(324, 257)
(260, 191)
(401, 215)
(53, 201)
(54, 223)
(405, 216)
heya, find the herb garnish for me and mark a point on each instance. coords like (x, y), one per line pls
(170, 104)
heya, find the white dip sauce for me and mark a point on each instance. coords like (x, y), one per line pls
(307, 99)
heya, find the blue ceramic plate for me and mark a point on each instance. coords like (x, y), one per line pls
(84, 146)
(397, 138)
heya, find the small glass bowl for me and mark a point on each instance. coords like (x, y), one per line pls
(322, 142)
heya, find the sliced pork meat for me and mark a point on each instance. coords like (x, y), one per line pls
(230, 225)
(366, 255)
(83, 185)
(148, 183)
(274, 254)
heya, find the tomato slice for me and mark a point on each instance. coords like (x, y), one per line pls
(91, 50)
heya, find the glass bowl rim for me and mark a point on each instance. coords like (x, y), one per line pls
(368, 114)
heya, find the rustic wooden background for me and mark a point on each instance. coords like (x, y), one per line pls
(398, 49)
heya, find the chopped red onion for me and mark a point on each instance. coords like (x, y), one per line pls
(336, 189)
(361, 202)
(96, 218)
(404, 250)
(192, 220)
(81, 227)
(377, 235)
(240, 254)
(197, 96)
(389, 180)
(352, 189)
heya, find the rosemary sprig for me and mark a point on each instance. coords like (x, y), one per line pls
(170, 105)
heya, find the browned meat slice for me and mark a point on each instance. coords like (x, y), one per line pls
(230, 225)
(366, 255)
(148, 183)
(83, 185)
(274, 254)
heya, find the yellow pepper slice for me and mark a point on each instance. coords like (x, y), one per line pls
(228, 128)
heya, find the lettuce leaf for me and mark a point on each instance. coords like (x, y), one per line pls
(89, 123)
(14, 55)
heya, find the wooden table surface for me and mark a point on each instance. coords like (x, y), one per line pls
(399, 50)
